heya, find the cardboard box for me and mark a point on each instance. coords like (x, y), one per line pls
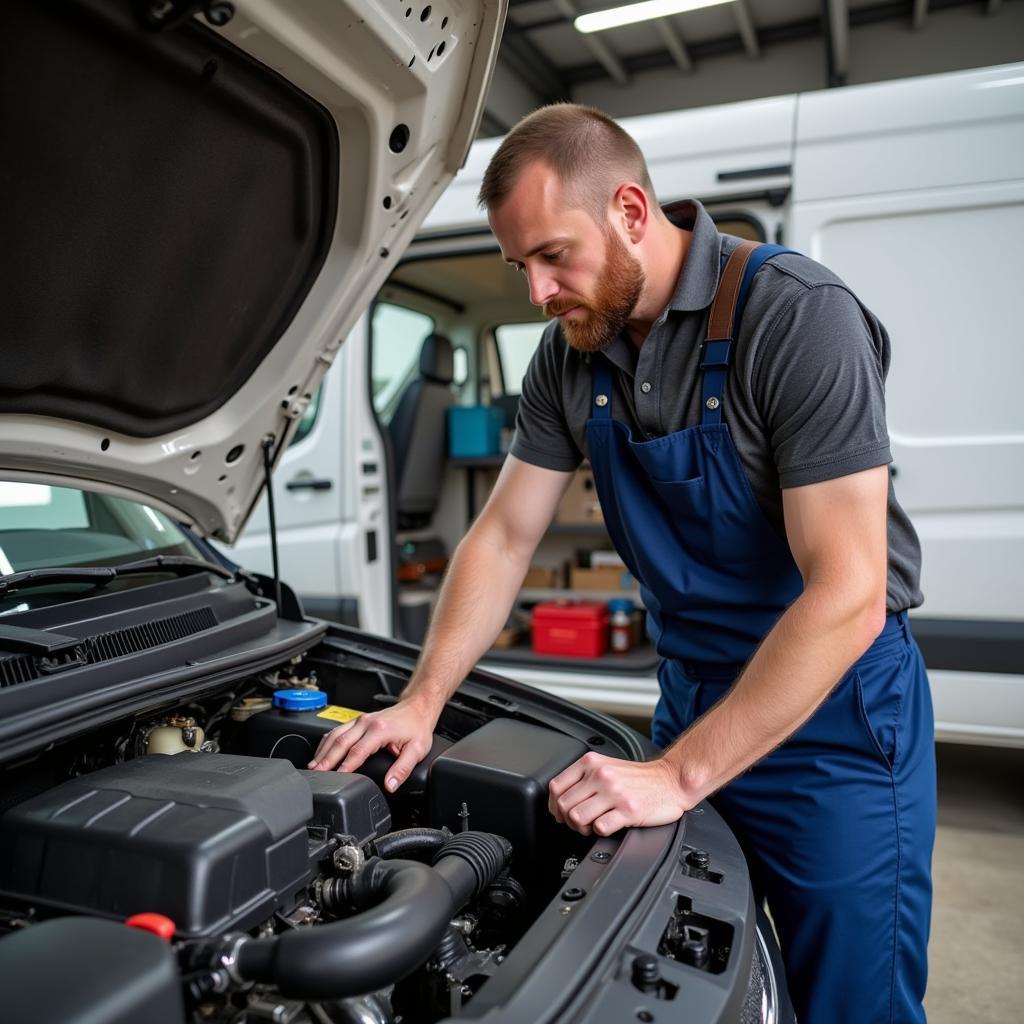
(549, 577)
(510, 636)
(602, 558)
(604, 577)
(580, 504)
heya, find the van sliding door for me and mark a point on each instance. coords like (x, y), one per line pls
(913, 193)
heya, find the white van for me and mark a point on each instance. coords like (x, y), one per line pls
(912, 191)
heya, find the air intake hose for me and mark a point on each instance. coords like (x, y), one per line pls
(470, 862)
(411, 842)
(409, 907)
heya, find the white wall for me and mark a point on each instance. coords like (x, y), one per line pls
(951, 40)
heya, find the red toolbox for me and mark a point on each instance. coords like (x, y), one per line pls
(574, 629)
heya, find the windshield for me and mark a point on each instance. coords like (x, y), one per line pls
(44, 527)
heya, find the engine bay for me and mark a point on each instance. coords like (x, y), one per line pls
(166, 854)
(258, 890)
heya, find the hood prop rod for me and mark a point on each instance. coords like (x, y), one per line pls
(268, 445)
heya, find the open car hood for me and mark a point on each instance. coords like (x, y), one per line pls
(195, 215)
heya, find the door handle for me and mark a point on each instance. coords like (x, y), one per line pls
(309, 485)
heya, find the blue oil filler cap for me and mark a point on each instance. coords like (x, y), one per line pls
(300, 700)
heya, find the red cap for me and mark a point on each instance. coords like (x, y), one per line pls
(159, 925)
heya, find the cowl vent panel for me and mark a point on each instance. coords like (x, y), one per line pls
(132, 639)
(116, 644)
(17, 670)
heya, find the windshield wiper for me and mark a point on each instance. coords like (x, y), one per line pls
(101, 575)
(179, 565)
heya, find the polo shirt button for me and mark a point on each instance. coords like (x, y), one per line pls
(645, 387)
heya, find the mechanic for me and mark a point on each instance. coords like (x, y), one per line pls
(742, 469)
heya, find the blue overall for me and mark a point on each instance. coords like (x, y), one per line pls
(837, 823)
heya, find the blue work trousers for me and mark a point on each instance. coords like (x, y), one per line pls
(838, 825)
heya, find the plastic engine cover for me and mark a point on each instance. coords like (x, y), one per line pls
(214, 841)
(501, 773)
(82, 970)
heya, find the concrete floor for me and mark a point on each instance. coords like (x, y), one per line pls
(976, 954)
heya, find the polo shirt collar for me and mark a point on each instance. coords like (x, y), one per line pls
(698, 282)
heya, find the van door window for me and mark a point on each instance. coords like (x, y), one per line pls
(397, 335)
(516, 345)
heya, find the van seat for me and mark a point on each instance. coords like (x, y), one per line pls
(418, 434)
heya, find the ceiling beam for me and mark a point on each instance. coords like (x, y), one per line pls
(806, 28)
(533, 26)
(527, 62)
(920, 13)
(674, 44)
(596, 45)
(722, 47)
(746, 26)
(837, 41)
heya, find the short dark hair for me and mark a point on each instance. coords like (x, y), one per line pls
(589, 152)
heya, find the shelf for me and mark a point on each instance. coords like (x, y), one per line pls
(477, 461)
(583, 529)
(554, 594)
(641, 659)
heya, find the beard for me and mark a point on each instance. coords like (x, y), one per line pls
(618, 290)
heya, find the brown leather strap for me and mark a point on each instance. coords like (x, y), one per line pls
(723, 309)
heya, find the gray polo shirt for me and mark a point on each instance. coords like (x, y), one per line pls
(804, 397)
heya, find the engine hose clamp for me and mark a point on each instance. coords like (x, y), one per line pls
(227, 958)
(348, 860)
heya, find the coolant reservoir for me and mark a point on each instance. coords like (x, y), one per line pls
(249, 706)
(174, 735)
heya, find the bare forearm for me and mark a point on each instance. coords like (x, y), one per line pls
(477, 595)
(801, 659)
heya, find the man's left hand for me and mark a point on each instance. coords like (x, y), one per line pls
(601, 794)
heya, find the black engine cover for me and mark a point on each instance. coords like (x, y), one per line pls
(214, 841)
(79, 970)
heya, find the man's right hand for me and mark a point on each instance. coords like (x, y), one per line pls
(407, 730)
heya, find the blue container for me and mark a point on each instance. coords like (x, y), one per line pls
(474, 430)
(300, 700)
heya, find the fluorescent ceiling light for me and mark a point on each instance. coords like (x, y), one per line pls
(598, 21)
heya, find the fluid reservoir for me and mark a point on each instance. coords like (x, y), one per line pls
(174, 735)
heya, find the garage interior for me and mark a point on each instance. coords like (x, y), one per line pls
(758, 48)
(738, 50)
(708, 53)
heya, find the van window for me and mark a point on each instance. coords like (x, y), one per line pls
(516, 345)
(397, 335)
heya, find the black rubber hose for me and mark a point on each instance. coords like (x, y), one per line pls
(383, 944)
(367, 951)
(470, 862)
(411, 842)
